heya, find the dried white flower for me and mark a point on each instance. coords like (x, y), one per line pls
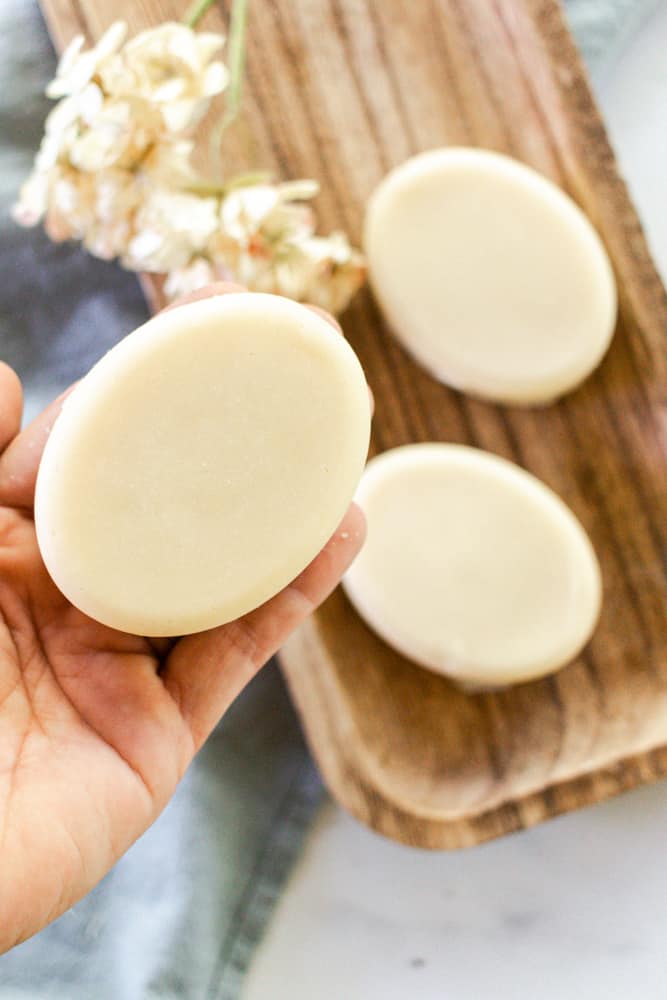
(113, 171)
(117, 195)
(265, 241)
(338, 271)
(278, 250)
(119, 134)
(171, 67)
(197, 273)
(169, 228)
(71, 205)
(269, 212)
(77, 67)
(33, 200)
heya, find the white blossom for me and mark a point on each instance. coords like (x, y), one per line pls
(197, 273)
(170, 227)
(168, 164)
(116, 197)
(71, 205)
(119, 134)
(78, 67)
(114, 171)
(337, 271)
(33, 200)
(171, 67)
(271, 212)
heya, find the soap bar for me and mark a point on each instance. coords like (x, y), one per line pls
(472, 567)
(202, 464)
(490, 275)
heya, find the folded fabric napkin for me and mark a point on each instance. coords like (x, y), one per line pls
(180, 914)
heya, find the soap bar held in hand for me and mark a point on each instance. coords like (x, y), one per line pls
(202, 464)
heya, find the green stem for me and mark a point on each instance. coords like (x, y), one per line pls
(236, 61)
(196, 12)
(237, 27)
(214, 189)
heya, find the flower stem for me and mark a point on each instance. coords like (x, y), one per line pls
(236, 60)
(237, 26)
(217, 189)
(196, 12)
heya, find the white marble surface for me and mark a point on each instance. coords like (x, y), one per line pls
(574, 908)
(633, 96)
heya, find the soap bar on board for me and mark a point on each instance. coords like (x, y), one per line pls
(472, 567)
(490, 275)
(202, 464)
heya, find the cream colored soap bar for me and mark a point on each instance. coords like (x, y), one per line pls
(202, 464)
(490, 275)
(472, 567)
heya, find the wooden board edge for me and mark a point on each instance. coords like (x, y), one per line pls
(364, 796)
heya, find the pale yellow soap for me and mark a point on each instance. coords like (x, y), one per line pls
(202, 464)
(490, 275)
(472, 567)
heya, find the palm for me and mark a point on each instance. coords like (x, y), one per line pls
(93, 742)
(97, 726)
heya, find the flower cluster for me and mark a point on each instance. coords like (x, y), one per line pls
(113, 171)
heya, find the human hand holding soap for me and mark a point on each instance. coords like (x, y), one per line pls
(97, 725)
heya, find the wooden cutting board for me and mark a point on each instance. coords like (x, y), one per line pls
(342, 90)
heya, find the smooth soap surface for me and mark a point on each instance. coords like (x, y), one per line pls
(490, 275)
(472, 567)
(202, 464)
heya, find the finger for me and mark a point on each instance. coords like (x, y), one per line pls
(205, 672)
(20, 461)
(11, 405)
(207, 292)
(331, 320)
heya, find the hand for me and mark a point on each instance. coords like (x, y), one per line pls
(98, 726)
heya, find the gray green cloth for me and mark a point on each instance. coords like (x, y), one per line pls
(180, 914)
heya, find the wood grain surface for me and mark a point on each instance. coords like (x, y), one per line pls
(342, 90)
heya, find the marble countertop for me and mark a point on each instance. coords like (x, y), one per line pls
(576, 907)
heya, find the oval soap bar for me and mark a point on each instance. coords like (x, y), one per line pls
(202, 464)
(472, 567)
(490, 275)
